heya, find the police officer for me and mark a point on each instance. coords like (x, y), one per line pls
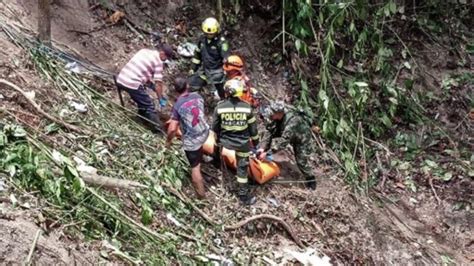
(211, 53)
(235, 126)
(290, 127)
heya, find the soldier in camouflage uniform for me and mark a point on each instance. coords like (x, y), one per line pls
(289, 127)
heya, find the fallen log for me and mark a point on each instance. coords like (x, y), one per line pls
(110, 182)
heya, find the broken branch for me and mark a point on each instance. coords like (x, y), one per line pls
(43, 113)
(430, 180)
(33, 246)
(186, 200)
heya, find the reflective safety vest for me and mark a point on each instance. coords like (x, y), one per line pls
(235, 124)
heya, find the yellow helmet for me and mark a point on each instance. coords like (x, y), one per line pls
(210, 26)
(234, 88)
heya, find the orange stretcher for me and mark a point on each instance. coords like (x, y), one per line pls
(260, 171)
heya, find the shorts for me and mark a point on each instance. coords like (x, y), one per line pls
(194, 157)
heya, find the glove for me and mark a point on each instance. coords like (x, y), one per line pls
(269, 157)
(163, 101)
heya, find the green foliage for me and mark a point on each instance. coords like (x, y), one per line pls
(360, 36)
(56, 179)
(33, 166)
(298, 13)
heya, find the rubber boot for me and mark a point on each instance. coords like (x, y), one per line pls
(311, 184)
(244, 195)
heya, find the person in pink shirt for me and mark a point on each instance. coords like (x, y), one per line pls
(143, 71)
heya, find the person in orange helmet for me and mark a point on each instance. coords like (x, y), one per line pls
(234, 69)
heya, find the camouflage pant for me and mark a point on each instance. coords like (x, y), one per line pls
(303, 158)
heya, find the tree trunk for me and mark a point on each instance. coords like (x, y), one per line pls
(219, 12)
(44, 21)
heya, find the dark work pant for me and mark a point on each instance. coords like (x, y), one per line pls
(196, 82)
(146, 107)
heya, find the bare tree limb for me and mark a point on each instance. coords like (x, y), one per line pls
(186, 200)
(42, 112)
(33, 246)
(109, 182)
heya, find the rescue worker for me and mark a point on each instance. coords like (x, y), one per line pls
(236, 129)
(188, 112)
(292, 128)
(211, 53)
(234, 69)
(143, 71)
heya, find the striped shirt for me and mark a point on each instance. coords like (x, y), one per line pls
(144, 66)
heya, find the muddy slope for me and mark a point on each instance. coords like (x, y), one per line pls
(398, 227)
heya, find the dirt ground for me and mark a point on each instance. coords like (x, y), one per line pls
(19, 230)
(391, 226)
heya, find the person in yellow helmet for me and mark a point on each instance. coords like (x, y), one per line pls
(234, 69)
(235, 125)
(211, 53)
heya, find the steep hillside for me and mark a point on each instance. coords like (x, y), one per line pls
(417, 211)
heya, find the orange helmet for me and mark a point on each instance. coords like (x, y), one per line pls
(234, 62)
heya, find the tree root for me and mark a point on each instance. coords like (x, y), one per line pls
(42, 112)
(238, 225)
(270, 217)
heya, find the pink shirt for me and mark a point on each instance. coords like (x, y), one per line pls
(144, 66)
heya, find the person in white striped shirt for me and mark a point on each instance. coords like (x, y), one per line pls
(145, 70)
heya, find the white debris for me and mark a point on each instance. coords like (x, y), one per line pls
(57, 157)
(79, 107)
(30, 95)
(170, 217)
(187, 49)
(83, 168)
(74, 67)
(3, 187)
(309, 257)
(273, 201)
(13, 199)
(223, 260)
